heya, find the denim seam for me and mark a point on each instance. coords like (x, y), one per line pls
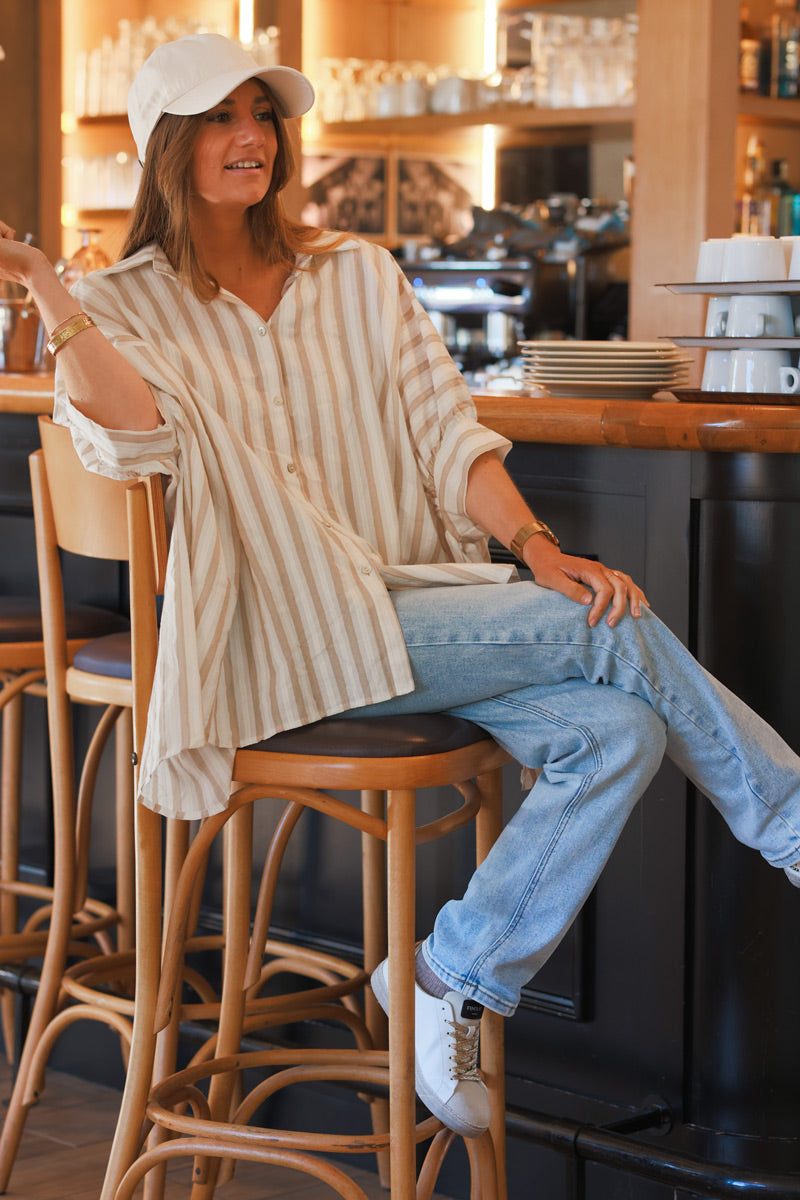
(469, 980)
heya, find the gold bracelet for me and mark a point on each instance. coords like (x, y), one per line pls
(66, 330)
(527, 531)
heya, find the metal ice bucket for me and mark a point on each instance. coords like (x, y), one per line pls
(23, 339)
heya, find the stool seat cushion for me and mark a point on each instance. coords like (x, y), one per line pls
(21, 620)
(376, 737)
(110, 655)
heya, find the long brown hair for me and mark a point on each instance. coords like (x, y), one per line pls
(161, 210)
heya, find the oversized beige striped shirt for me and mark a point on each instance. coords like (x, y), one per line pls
(315, 461)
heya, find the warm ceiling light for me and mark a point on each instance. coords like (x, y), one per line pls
(247, 21)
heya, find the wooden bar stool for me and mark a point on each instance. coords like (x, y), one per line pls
(91, 648)
(85, 513)
(385, 760)
(21, 673)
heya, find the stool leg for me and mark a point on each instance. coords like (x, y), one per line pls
(400, 843)
(488, 826)
(148, 963)
(238, 895)
(10, 791)
(373, 859)
(123, 750)
(166, 1047)
(55, 955)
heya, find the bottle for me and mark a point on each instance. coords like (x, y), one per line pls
(749, 53)
(781, 198)
(756, 203)
(785, 50)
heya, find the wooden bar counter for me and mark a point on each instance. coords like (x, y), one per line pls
(643, 424)
(30, 392)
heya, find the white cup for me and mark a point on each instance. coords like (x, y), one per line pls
(454, 94)
(754, 258)
(763, 371)
(717, 316)
(709, 260)
(794, 261)
(414, 96)
(716, 371)
(788, 242)
(389, 99)
(760, 316)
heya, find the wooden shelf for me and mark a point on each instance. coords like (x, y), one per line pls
(767, 111)
(104, 119)
(513, 117)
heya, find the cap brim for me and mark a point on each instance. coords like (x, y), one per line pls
(292, 91)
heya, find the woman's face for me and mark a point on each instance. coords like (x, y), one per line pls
(235, 151)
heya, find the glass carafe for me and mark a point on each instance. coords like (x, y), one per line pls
(89, 257)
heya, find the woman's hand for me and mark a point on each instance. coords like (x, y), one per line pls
(18, 261)
(100, 382)
(585, 581)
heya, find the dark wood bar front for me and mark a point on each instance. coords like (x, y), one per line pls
(677, 987)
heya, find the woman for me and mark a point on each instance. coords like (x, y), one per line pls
(331, 495)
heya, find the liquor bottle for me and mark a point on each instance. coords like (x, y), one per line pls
(749, 52)
(781, 199)
(785, 50)
(756, 202)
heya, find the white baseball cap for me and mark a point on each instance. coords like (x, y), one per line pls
(192, 74)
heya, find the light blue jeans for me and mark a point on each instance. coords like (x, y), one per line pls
(596, 710)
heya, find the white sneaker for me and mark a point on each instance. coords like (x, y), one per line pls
(447, 1036)
(793, 874)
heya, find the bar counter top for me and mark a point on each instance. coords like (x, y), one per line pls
(661, 424)
(26, 392)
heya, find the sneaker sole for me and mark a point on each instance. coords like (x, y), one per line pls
(380, 987)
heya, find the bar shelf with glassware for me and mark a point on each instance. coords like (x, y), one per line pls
(510, 116)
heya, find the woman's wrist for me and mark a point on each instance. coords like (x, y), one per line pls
(539, 550)
(54, 302)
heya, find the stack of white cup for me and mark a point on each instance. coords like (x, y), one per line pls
(750, 314)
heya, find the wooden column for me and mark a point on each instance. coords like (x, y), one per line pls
(684, 149)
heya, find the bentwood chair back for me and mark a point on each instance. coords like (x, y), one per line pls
(386, 761)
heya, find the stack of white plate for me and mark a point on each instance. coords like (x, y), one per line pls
(633, 370)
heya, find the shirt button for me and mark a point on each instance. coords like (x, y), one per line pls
(366, 570)
(262, 329)
(291, 468)
(277, 400)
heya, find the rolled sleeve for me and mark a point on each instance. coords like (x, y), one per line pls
(463, 440)
(117, 453)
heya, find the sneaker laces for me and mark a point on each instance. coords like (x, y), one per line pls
(465, 1040)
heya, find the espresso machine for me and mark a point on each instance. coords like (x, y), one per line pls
(484, 307)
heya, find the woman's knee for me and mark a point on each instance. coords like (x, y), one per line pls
(631, 724)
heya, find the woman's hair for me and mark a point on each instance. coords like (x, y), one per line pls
(161, 210)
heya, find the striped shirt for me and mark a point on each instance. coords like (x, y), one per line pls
(314, 461)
